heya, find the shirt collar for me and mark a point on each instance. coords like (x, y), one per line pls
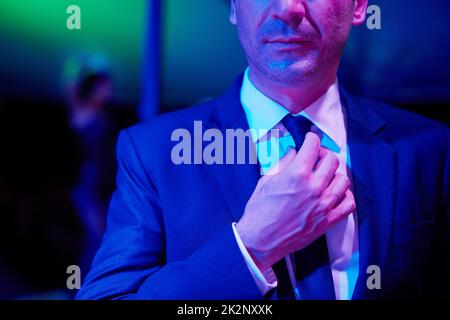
(263, 113)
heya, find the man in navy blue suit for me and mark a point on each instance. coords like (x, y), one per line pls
(351, 202)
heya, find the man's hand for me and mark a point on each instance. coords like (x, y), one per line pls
(292, 208)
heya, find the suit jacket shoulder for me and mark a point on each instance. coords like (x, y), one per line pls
(404, 128)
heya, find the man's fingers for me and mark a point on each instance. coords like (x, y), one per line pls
(342, 210)
(322, 153)
(325, 169)
(308, 154)
(335, 192)
(338, 187)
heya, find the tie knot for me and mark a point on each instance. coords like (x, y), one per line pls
(298, 127)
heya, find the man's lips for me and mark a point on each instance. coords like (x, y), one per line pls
(287, 41)
(288, 44)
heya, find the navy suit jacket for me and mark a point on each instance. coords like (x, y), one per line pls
(169, 233)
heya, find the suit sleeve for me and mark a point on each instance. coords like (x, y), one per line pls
(130, 263)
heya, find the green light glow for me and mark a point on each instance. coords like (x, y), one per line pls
(37, 28)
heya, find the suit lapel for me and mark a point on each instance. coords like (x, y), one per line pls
(374, 182)
(237, 181)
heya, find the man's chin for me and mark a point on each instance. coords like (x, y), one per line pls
(291, 70)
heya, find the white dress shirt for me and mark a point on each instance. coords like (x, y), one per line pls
(328, 118)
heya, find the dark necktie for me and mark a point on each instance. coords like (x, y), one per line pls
(311, 264)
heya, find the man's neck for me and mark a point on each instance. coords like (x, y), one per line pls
(293, 96)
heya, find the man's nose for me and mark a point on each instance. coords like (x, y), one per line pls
(291, 12)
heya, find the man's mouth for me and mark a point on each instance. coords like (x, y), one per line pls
(290, 44)
(287, 41)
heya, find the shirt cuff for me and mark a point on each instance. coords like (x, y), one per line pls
(266, 280)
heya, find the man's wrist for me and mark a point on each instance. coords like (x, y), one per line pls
(258, 256)
(265, 280)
